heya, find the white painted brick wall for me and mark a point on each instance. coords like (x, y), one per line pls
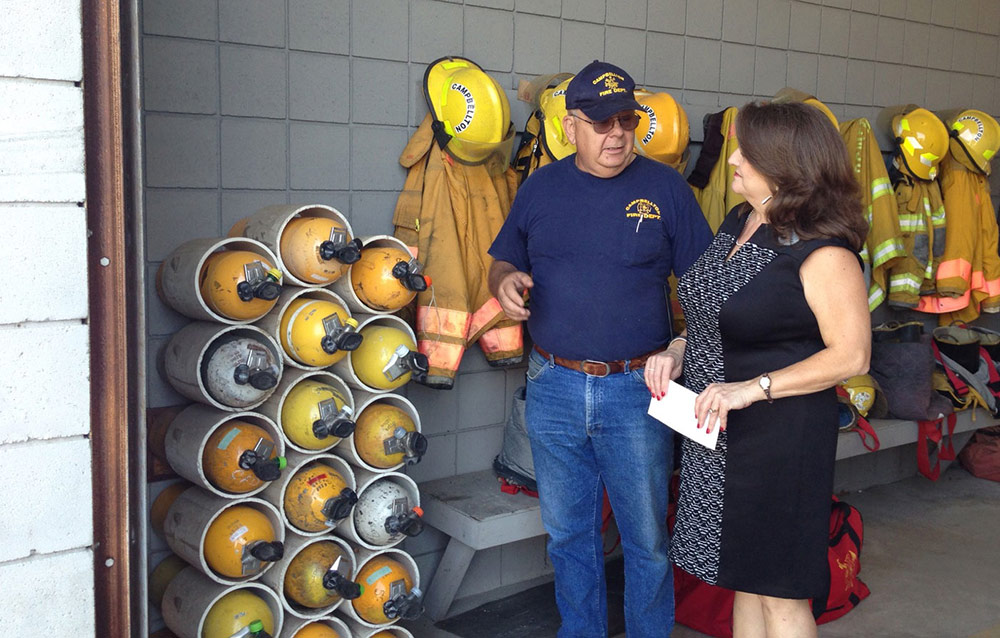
(46, 561)
(45, 384)
(47, 596)
(41, 141)
(46, 497)
(51, 281)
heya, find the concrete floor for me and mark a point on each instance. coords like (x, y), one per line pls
(931, 557)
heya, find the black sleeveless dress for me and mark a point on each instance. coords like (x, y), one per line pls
(753, 515)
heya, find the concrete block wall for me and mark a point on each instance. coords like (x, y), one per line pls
(47, 530)
(255, 102)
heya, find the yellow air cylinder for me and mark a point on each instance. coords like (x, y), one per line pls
(385, 436)
(304, 578)
(240, 542)
(317, 630)
(161, 576)
(318, 250)
(384, 579)
(315, 415)
(238, 610)
(317, 496)
(316, 332)
(239, 457)
(239, 284)
(386, 278)
(162, 502)
(387, 358)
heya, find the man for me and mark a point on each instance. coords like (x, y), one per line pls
(592, 239)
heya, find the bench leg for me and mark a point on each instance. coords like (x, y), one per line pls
(447, 578)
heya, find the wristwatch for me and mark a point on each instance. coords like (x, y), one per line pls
(765, 384)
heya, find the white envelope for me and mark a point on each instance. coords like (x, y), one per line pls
(676, 410)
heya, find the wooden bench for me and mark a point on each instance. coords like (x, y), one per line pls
(475, 514)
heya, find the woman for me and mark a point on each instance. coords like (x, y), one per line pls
(777, 314)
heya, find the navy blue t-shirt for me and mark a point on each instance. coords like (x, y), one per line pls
(600, 251)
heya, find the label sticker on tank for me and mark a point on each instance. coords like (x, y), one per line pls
(226, 440)
(318, 477)
(378, 573)
(235, 536)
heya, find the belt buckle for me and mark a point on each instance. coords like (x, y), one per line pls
(607, 367)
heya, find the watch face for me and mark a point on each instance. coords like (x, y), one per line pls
(765, 382)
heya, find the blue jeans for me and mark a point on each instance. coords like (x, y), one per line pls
(589, 433)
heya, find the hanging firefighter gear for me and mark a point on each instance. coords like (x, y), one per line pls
(317, 498)
(317, 332)
(922, 230)
(663, 131)
(239, 457)
(387, 591)
(471, 112)
(240, 541)
(449, 213)
(883, 246)
(385, 513)
(239, 371)
(921, 141)
(318, 250)
(315, 415)
(387, 278)
(240, 613)
(239, 284)
(968, 276)
(308, 575)
(975, 139)
(788, 94)
(386, 436)
(387, 358)
(712, 178)
(544, 141)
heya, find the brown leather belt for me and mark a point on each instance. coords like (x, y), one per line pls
(598, 368)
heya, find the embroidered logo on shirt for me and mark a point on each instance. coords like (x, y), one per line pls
(642, 209)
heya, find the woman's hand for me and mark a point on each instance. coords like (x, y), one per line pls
(714, 404)
(663, 367)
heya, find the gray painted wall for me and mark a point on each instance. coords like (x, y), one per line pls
(255, 102)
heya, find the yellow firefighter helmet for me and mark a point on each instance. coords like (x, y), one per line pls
(239, 371)
(788, 94)
(318, 250)
(313, 412)
(866, 395)
(663, 132)
(162, 502)
(317, 332)
(239, 284)
(922, 141)
(317, 498)
(317, 630)
(470, 109)
(240, 541)
(240, 613)
(385, 513)
(387, 278)
(307, 579)
(161, 576)
(385, 436)
(975, 139)
(387, 591)
(239, 457)
(387, 358)
(552, 104)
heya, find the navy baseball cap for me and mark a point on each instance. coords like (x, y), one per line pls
(600, 90)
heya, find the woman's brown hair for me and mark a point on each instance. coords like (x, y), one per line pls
(802, 156)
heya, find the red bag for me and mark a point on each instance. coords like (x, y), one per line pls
(982, 455)
(709, 608)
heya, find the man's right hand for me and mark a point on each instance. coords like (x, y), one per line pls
(510, 294)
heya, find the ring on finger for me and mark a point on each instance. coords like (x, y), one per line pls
(712, 410)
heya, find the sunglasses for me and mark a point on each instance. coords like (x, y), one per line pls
(628, 122)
